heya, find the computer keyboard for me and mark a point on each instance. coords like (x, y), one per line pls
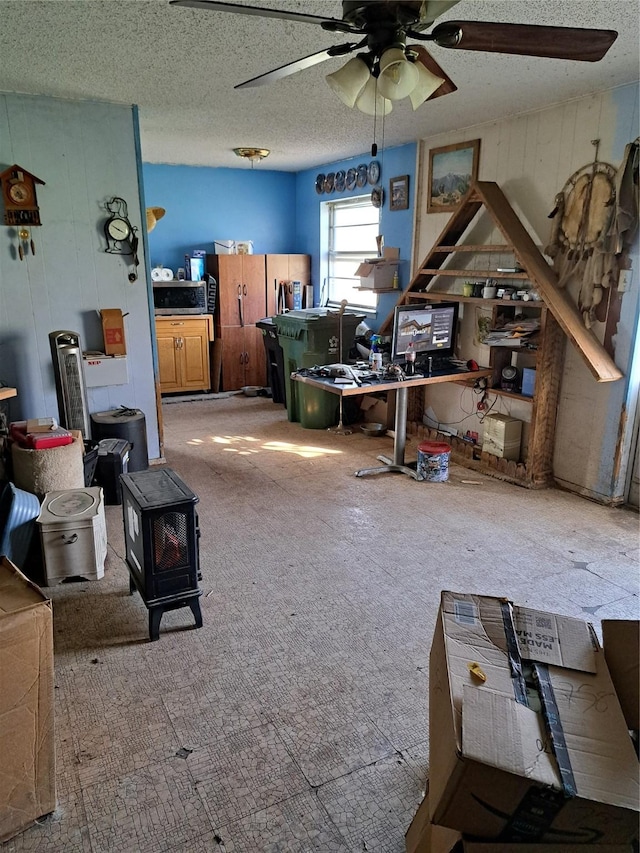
(440, 366)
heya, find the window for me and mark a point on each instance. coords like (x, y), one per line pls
(354, 224)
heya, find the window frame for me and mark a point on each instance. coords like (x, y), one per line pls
(355, 300)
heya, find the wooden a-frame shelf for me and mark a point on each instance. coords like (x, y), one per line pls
(558, 318)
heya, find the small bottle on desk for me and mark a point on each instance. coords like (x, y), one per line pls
(375, 356)
(410, 359)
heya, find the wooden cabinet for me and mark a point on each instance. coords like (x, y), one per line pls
(241, 301)
(183, 352)
(247, 293)
(283, 270)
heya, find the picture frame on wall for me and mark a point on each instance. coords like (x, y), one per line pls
(399, 193)
(452, 170)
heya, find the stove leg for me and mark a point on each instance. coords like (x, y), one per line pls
(194, 604)
(155, 615)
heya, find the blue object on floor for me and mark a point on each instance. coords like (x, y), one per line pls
(18, 513)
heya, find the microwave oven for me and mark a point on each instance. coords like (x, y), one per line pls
(180, 297)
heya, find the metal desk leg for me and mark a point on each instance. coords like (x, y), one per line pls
(397, 463)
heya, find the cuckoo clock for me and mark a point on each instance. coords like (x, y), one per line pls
(19, 197)
(20, 204)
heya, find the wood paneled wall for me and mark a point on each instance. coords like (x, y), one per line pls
(531, 156)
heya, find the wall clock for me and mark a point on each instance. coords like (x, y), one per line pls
(120, 233)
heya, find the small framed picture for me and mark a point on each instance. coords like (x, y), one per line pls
(452, 170)
(399, 193)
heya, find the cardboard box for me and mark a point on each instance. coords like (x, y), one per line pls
(27, 779)
(41, 425)
(377, 273)
(113, 331)
(426, 837)
(621, 640)
(504, 766)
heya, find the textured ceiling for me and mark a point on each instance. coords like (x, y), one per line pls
(180, 66)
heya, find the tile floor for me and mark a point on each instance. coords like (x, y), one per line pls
(296, 719)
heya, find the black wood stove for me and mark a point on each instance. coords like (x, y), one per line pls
(161, 541)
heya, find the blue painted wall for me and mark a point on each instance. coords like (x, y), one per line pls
(204, 204)
(396, 225)
(86, 153)
(278, 211)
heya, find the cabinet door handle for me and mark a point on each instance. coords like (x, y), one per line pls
(244, 290)
(241, 358)
(177, 322)
(246, 358)
(179, 343)
(73, 538)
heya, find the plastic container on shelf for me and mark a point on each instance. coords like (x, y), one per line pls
(309, 337)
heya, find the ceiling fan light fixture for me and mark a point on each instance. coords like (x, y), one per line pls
(349, 81)
(371, 102)
(427, 84)
(398, 77)
(252, 154)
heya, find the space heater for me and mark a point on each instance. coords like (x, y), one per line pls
(73, 411)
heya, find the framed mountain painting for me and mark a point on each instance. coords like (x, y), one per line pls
(452, 170)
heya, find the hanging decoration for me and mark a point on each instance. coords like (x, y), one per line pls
(21, 205)
(120, 233)
(593, 216)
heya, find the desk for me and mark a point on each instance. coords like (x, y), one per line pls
(402, 386)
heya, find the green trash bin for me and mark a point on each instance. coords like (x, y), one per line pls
(310, 337)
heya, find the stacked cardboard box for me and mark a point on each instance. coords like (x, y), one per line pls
(27, 775)
(529, 744)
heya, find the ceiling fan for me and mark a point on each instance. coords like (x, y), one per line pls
(388, 69)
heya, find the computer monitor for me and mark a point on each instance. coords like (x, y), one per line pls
(431, 329)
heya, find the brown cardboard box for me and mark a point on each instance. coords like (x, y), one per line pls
(113, 331)
(27, 775)
(621, 641)
(425, 837)
(377, 274)
(495, 770)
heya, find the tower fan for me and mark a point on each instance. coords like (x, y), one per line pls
(73, 411)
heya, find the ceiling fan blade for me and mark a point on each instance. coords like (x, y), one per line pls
(431, 65)
(215, 6)
(298, 65)
(526, 39)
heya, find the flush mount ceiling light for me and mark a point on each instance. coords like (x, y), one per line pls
(370, 83)
(252, 154)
